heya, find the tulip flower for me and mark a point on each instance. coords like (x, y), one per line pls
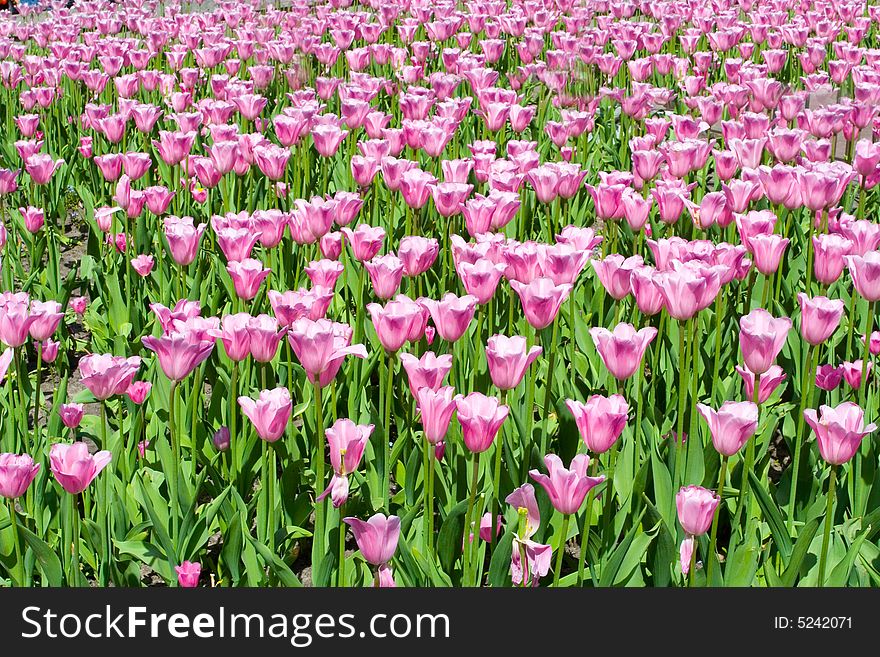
(509, 358)
(16, 474)
(820, 317)
(188, 574)
(541, 300)
(451, 314)
(320, 346)
(270, 413)
(377, 539)
(74, 468)
(427, 371)
(600, 421)
(623, 348)
(347, 442)
(769, 381)
(761, 338)
(106, 375)
(529, 560)
(839, 433)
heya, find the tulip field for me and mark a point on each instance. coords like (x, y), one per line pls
(424, 293)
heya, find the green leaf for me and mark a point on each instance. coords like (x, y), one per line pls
(148, 554)
(773, 517)
(46, 557)
(801, 548)
(499, 566)
(450, 538)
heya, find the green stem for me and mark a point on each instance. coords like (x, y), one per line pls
(807, 384)
(560, 549)
(585, 532)
(713, 540)
(233, 409)
(496, 481)
(548, 387)
(175, 473)
(318, 457)
(389, 397)
(682, 399)
(475, 475)
(20, 578)
(340, 577)
(866, 356)
(693, 566)
(829, 521)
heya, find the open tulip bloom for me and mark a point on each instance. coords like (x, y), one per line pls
(388, 273)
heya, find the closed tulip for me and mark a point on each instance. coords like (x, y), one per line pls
(623, 348)
(270, 413)
(16, 474)
(600, 421)
(761, 338)
(820, 317)
(480, 418)
(696, 507)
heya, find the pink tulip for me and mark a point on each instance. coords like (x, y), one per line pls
(46, 316)
(417, 254)
(71, 414)
(614, 273)
(365, 241)
(566, 487)
(396, 322)
(235, 336)
(770, 380)
(16, 474)
(731, 425)
(386, 273)
(436, 409)
(41, 167)
(270, 413)
(321, 346)
(183, 239)
(541, 300)
(324, 273)
(15, 318)
(839, 431)
(828, 377)
(865, 273)
(873, 344)
(761, 338)
(451, 315)
(480, 418)
(143, 265)
(427, 371)
(138, 391)
(829, 253)
(376, 537)
(188, 574)
(247, 275)
(264, 337)
(106, 375)
(74, 468)
(820, 317)
(347, 442)
(600, 421)
(852, 373)
(508, 359)
(180, 351)
(646, 290)
(696, 508)
(767, 251)
(480, 279)
(622, 350)
(34, 219)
